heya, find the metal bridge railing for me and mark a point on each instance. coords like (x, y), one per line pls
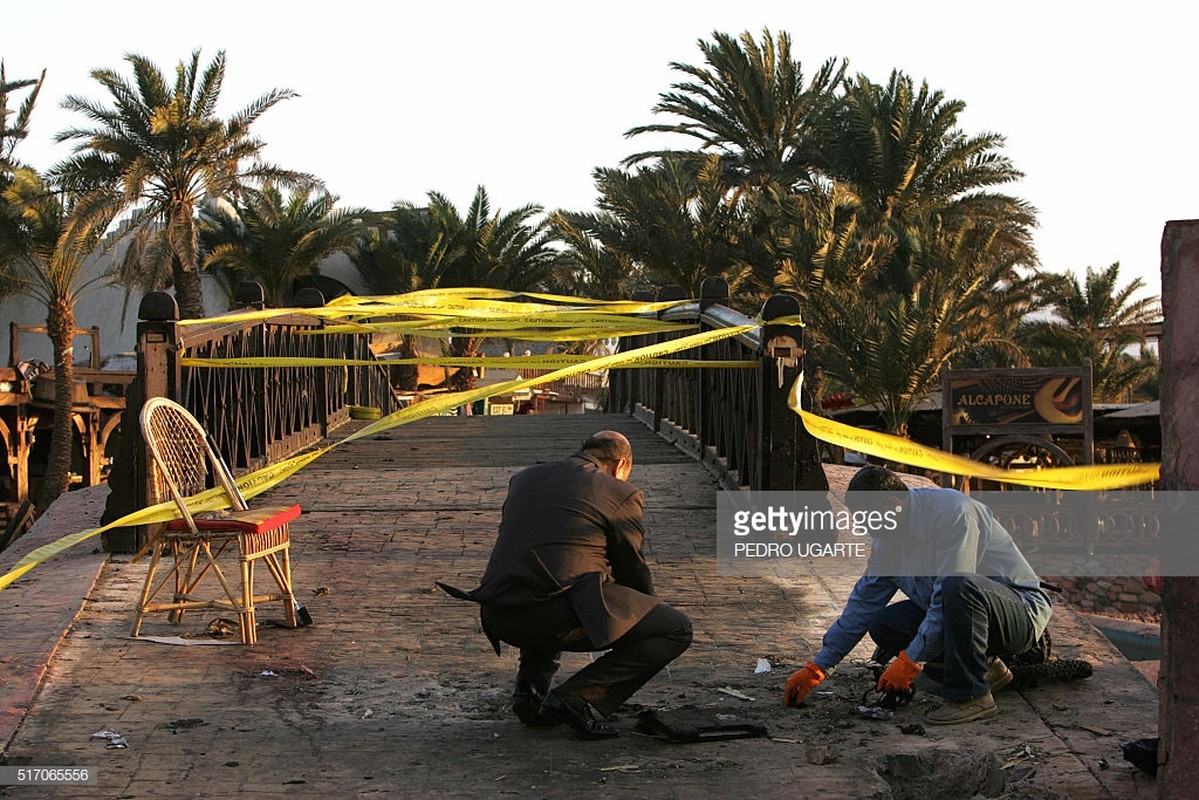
(735, 420)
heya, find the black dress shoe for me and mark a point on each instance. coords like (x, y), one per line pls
(559, 709)
(526, 702)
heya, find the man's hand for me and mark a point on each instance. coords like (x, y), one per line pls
(899, 674)
(801, 682)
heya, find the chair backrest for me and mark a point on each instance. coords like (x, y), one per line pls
(180, 450)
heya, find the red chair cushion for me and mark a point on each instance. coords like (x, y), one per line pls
(255, 520)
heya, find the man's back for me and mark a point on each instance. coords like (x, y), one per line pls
(565, 519)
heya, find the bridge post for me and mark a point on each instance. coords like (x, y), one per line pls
(671, 291)
(788, 457)
(158, 375)
(631, 381)
(713, 290)
(311, 297)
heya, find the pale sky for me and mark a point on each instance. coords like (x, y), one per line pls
(526, 98)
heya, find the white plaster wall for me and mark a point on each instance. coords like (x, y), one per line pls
(116, 315)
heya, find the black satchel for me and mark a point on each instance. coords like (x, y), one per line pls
(698, 725)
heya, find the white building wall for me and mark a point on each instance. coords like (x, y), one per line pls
(116, 316)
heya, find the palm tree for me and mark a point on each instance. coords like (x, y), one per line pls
(277, 241)
(679, 224)
(898, 157)
(889, 347)
(501, 251)
(906, 257)
(1100, 321)
(14, 127)
(161, 147)
(585, 267)
(48, 249)
(749, 104)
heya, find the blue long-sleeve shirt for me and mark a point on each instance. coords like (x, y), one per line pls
(949, 534)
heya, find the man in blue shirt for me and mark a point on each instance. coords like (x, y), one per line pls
(971, 598)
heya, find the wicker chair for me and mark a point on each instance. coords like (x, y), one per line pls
(182, 458)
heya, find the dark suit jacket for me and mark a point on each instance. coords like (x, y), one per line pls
(570, 528)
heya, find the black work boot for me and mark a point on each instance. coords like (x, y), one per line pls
(572, 710)
(526, 702)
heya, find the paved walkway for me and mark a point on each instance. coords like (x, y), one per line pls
(394, 691)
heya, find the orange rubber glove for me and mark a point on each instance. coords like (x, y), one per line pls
(899, 674)
(801, 682)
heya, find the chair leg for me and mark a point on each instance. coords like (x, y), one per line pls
(279, 565)
(144, 599)
(289, 599)
(249, 633)
(184, 582)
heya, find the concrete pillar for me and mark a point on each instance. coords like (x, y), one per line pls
(1178, 726)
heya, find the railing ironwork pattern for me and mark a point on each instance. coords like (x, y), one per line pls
(735, 419)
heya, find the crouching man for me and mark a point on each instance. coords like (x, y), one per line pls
(971, 598)
(567, 573)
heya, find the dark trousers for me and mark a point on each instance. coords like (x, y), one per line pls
(543, 632)
(982, 618)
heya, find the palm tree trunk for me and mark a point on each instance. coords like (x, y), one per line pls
(60, 324)
(188, 292)
(464, 378)
(404, 376)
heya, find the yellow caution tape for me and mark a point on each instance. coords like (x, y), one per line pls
(905, 451)
(257, 482)
(445, 303)
(507, 362)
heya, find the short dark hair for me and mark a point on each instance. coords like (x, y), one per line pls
(876, 479)
(609, 447)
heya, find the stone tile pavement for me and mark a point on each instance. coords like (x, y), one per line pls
(394, 691)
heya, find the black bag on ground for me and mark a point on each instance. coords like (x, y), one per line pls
(698, 725)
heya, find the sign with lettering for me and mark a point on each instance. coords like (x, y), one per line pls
(1017, 397)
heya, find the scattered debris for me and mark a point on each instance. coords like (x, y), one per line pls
(734, 693)
(823, 754)
(697, 725)
(1023, 753)
(763, 666)
(889, 700)
(268, 673)
(137, 698)
(1103, 763)
(115, 741)
(875, 712)
(1061, 669)
(222, 627)
(367, 714)
(320, 591)
(185, 724)
(1095, 729)
(621, 768)
(914, 729)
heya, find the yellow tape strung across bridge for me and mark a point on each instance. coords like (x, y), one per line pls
(905, 451)
(257, 482)
(512, 362)
(442, 306)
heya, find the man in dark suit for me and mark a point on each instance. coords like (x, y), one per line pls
(567, 573)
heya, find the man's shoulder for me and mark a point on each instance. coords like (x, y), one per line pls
(940, 497)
